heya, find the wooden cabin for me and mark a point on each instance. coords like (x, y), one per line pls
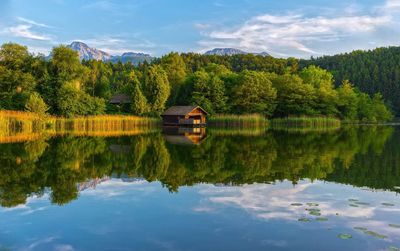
(184, 116)
(120, 99)
(120, 102)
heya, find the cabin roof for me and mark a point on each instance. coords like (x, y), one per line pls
(120, 98)
(182, 110)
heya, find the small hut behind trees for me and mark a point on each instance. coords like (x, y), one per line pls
(184, 116)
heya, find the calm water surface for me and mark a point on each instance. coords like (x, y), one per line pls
(223, 190)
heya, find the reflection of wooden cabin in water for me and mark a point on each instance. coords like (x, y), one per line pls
(184, 116)
(184, 135)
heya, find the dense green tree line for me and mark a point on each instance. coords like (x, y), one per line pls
(240, 84)
(358, 156)
(371, 71)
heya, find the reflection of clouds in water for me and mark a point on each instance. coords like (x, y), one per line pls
(273, 202)
(63, 247)
(117, 187)
(38, 243)
(29, 207)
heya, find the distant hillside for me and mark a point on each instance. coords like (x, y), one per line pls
(88, 53)
(231, 51)
(371, 71)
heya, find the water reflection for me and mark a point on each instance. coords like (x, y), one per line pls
(366, 156)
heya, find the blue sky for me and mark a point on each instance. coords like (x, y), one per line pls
(282, 28)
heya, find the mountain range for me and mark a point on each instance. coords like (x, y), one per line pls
(88, 53)
(232, 51)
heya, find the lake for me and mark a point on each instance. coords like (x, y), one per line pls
(207, 189)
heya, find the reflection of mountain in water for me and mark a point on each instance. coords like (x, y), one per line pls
(367, 156)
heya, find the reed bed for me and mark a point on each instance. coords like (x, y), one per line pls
(18, 126)
(306, 122)
(230, 120)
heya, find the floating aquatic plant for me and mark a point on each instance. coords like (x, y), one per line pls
(388, 204)
(375, 234)
(312, 204)
(321, 219)
(392, 248)
(394, 225)
(296, 204)
(361, 203)
(353, 200)
(345, 236)
(353, 205)
(315, 213)
(304, 219)
(361, 228)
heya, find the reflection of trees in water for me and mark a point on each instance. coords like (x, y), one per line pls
(366, 156)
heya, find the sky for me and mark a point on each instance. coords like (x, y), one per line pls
(283, 28)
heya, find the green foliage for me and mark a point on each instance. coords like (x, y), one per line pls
(71, 101)
(347, 101)
(208, 92)
(156, 88)
(370, 71)
(175, 68)
(294, 96)
(254, 94)
(139, 101)
(65, 64)
(36, 104)
(325, 93)
(16, 80)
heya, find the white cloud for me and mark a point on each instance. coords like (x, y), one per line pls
(392, 4)
(280, 33)
(28, 21)
(24, 31)
(27, 28)
(299, 33)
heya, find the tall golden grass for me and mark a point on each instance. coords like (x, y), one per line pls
(16, 126)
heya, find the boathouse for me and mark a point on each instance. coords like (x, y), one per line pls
(184, 116)
(120, 99)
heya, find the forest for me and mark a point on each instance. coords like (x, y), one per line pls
(240, 84)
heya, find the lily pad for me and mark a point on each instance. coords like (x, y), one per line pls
(304, 219)
(394, 225)
(321, 219)
(312, 204)
(296, 204)
(392, 248)
(345, 236)
(352, 200)
(361, 228)
(388, 204)
(375, 234)
(353, 205)
(313, 209)
(361, 203)
(315, 213)
(397, 187)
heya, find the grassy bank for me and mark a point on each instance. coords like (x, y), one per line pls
(306, 122)
(231, 120)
